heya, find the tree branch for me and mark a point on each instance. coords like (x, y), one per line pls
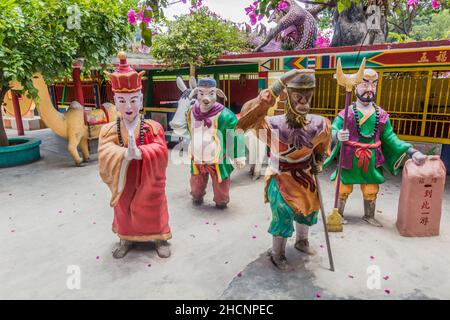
(397, 26)
(330, 4)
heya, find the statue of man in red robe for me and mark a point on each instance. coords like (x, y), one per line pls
(133, 158)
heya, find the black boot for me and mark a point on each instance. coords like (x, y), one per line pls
(341, 207)
(277, 255)
(123, 249)
(369, 213)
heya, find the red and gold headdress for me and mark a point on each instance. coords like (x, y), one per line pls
(125, 79)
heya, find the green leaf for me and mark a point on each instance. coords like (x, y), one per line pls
(147, 37)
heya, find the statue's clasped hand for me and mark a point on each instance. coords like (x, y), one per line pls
(132, 152)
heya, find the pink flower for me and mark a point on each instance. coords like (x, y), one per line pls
(318, 295)
(141, 17)
(249, 9)
(252, 17)
(412, 3)
(282, 5)
(131, 17)
(322, 40)
(435, 4)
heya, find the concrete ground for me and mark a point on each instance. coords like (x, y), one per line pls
(54, 216)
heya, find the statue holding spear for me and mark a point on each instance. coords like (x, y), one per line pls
(366, 143)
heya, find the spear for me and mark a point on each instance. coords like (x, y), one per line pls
(322, 211)
(334, 223)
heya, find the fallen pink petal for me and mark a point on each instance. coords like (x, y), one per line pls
(387, 291)
(318, 295)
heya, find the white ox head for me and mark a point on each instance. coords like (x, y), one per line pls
(179, 122)
(207, 93)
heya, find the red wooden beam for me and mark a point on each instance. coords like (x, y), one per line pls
(76, 75)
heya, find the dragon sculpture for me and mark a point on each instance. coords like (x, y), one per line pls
(296, 29)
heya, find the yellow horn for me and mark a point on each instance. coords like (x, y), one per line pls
(360, 74)
(350, 80)
(340, 76)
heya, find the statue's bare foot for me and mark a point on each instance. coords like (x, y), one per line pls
(123, 249)
(162, 248)
(80, 164)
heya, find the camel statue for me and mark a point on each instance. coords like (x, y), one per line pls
(70, 125)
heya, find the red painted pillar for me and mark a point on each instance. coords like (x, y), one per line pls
(17, 113)
(76, 75)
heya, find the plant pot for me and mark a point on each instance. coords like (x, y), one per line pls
(20, 151)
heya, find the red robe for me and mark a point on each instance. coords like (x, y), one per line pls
(140, 206)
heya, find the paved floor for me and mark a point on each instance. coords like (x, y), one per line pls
(55, 218)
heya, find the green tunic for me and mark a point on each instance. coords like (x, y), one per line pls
(393, 150)
(226, 121)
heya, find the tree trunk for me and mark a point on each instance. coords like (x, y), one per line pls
(350, 28)
(3, 138)
(192, 70)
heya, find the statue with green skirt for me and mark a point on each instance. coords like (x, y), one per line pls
(369, 144)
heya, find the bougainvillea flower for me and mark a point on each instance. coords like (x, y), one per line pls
(282, 5)
(131, 17)
(435, 4)
(412, 3)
